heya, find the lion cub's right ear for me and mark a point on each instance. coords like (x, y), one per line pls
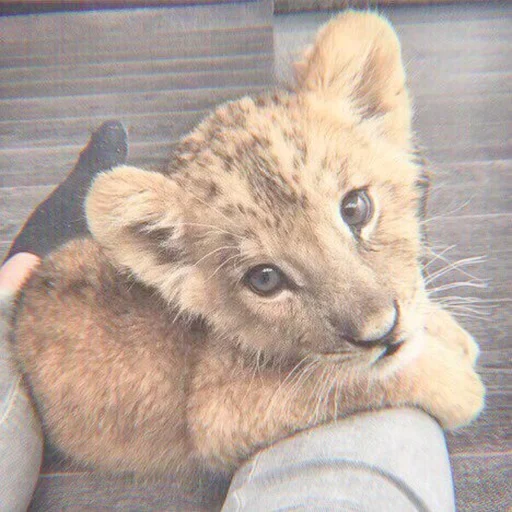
(135, 215)
(357, 58)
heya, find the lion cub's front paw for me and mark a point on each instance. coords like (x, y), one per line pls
(442, 326)
(446, 384)
(461, 402)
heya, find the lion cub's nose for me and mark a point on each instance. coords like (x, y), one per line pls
(378, 329)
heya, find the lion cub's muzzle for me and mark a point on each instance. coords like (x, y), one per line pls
(379, 330)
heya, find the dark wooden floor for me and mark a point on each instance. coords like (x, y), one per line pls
(60, 76)
(157, 70)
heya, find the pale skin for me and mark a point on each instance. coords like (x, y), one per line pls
(16, 270)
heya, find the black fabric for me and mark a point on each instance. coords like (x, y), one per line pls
(60, 217)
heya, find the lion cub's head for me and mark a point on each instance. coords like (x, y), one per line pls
(288, 221)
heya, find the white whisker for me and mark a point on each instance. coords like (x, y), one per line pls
(439, 255)
(456, 266)
(211, 207)
(448, 214)
(213, 230)
(213, 252)
(457, 284)
(295, 385)
(222, 265)
(283, 383)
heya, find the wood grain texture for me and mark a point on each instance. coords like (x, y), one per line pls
(459, 60)
(294, 6)
(281, 6)
(83, 491)
(11, 7)
(483, 475)
(159, 71)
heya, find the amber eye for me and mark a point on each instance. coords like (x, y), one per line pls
(265, 279)
(356, 208)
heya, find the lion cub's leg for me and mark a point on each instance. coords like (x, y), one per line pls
(442, 379)
(442, 382)
(442, 325)
(106, 370)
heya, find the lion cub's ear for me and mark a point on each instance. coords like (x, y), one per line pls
(356, 57)
(135, 215)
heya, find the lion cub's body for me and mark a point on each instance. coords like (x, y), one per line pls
(147, 350)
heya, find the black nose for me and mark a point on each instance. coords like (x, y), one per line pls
(388, 338)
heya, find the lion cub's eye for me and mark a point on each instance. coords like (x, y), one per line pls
(265, 279)
(356, 208)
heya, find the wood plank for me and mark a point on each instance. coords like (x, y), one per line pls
(62, 139)
(50, 165)
(460, 138)
(296, 6)
(429, 65)
(140, 84)
(193, 44)
(255, 45)
(435, 14)
(79, 491)
(488, 434)
(482, 483)
(450, 33)
(4, 249)
(16, 204)
(185, 61)
(136, 66)
(463, 137)
(56, 132)
(427, 80)
(120, 104)
(137, 24)
(54, 36)
(17, 7)
(467, 188)
(480, 40)
(473, 63)
(443, 110)
(491, 432)
(487, 237)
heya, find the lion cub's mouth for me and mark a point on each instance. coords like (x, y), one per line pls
(391, 349)
(387, 351)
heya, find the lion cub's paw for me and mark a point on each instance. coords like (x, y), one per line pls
(463, 402)
(442, 326)
(447, 385)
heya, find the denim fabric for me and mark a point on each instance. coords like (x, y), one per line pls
(387, 461)
(21, 441)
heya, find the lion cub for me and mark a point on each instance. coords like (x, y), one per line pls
(268, 281)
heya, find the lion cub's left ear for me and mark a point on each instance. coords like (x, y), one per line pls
(356, 57)
(136, 216)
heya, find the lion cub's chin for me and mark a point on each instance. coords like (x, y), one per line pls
(385, 366)
(382, 362)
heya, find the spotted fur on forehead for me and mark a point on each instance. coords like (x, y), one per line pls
(261, 142)
(280, 147)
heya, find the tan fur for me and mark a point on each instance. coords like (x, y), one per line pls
(145, 350)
